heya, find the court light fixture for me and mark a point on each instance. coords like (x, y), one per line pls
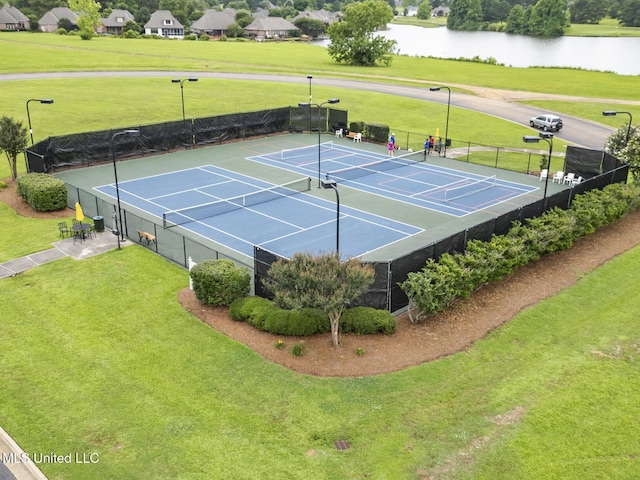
(613, 113)
(319, 107)
(446, 128)
(181, 82)
(547, 137)
(46, 101)
(326, 183)
(119, 232)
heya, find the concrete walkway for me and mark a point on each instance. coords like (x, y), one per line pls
(15, 464)
(102, 242)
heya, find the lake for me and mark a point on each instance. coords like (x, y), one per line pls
(608, 54)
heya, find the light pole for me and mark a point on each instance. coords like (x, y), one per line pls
(309, 105)
(446, 128)
(547, 137)
(181, 82)
(41, 100)
(131, 133)
(332, 184)
(309, 77)
(611, 113)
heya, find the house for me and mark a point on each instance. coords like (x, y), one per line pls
(13, 19)
(214, 23)
(163, 24)
(412, 11)
(440, 12)
(324, 16)
(270, 27)
(114, 23)
(49, 21)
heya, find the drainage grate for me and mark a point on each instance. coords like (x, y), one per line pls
(342, 445)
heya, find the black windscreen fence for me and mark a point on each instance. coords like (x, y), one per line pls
(90, 148)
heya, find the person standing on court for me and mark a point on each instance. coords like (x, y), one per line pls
(392, 139)
(432, 141)
(427, 145)
(391, 146)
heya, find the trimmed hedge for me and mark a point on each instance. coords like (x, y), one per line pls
(264, 315)
(43, 192)
(219, 282)
(454, 276)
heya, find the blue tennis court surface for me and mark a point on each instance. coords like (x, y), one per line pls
(408, 179)
(240, 211)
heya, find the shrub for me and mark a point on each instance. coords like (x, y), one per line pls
(297, 350)
(131, 34)
(61, 31)
(357, 127)
(302, 322)
(3, 185)
(204, 37)
(219, 282)
(378, 133)
(43, 192)
(241, 308)
(191, 36)
(367, 321)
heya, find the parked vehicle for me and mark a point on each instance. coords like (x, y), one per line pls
(547, 122)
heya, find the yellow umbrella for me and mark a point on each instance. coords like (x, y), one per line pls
(438, 133)
(79, 214)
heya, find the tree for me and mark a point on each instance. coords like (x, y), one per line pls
(629, 152)
(89, 16)
(323, 282)
(310, 26)
(13, 140)
(630, 13)
(465, 15)
(517, 21)
(353, 41)
(424, 10)
(548, 18)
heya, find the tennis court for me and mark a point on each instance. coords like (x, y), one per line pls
(240, 211)
(410, 178)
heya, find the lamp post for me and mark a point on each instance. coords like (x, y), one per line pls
(181, 82)
(131, 133)
(446, 128)
(547, 137)
(309, 77)
(309, 105)
(611, 113)
(326, 183)
(41, 100)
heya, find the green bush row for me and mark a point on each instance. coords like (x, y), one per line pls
(219, 282)
(457, 275)
(377, 133)
(43, 192)
(264, 315)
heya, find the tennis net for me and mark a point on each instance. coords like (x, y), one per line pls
(378, 166)
(467, 189)
(302, 152)
(174, 218)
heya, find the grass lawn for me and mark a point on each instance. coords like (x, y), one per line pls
(104, 360)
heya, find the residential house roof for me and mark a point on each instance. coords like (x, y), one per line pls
(160, 17)
(118, 18)
(9, 14)
(53, 16)
(270, 24)
(213, 21)
(324, 16)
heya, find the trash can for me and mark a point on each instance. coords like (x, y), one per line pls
(98, 223)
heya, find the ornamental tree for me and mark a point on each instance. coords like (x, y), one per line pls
(628, 152)
(13, 140)
(323, 282)
(89, 16)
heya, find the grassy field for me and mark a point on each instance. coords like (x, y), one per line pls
(97, 358)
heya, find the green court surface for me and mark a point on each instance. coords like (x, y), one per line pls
(234, 156)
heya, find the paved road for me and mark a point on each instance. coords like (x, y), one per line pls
(490, 101)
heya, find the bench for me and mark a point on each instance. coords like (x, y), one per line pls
(147, 236)
(355, 136)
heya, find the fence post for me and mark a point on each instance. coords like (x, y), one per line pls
(191, 265)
